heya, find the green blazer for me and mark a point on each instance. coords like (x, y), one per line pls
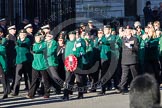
(3, 55)
(89, 51)
(69, 48)
(160, 45)
(116, 46)
(23, 51)
(102, 48)
(152, 49)
(52, 53)
(39, 62)
(77, 48)
(142, 46)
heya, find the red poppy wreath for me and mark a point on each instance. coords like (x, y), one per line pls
(71, 63)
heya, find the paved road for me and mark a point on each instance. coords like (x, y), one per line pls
(91, 100)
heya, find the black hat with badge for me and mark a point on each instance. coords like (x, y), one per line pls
(72, 32)
(38, 34)
(100, 29)
(63, 33)
(107, 26)
(82, 24)
(22, 31)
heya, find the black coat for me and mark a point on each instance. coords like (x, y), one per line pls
(130, 55)
(10, 50)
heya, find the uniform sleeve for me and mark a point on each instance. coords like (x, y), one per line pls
(40, 48)
(53, 49)
(81, 50)
(136, 45)
(4, 41)
(25, 43)
(2, 50)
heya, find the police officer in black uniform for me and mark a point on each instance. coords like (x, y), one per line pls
(11, 52)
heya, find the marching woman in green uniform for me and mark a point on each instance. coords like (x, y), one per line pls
(82, 56)
(40, 67)
(3, 66)
(152, 55)
(89, 50)
(52, 61)
(160, 54)
(107, 46)
(142, 46)
(90, 57)
(115, 48)
(102, 50)
(77, 49)
(23, 58)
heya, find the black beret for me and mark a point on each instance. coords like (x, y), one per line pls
(72, 32)
(22, 31)
(107, 26)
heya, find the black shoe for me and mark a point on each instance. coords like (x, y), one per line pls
(92, 90)
(46, 97)
(5, 96)
(80, 97)
(101, 93)
(124, 91)
(40, 92)
(71, 92)
(13, 94)
(109, 89)
(65, 98)
(85, 91)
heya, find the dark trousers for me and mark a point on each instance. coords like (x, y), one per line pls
(20, 69)
(125, 72)
(61, 71)
(36, 77)
(5, 82)
(153, 67)
(11, 67)
(12, 72)
(104, 70)
(94, 79)
(69, 77)
(52, 71)
(116, 77)
(160, 69)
